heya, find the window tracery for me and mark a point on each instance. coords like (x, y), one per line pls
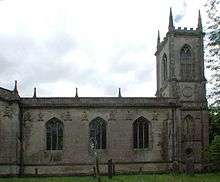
(54, 134)
(141, 133)
(186, 63)
(97, 132)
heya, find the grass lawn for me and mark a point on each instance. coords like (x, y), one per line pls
(210, 177)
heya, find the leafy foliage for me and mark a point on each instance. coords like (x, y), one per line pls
(214, 152)
(213, 49)
(214, 119)
(214, 137)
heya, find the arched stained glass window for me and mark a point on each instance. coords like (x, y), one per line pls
(54, 134)
(186, 63)
(164, 67)
(97, 132)
(141, 133)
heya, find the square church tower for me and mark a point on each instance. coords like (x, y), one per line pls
(180, 74)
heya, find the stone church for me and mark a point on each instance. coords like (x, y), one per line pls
(53, 135)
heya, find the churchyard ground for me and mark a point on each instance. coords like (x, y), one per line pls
(208, 177)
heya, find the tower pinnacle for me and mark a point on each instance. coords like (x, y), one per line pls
(35, 93)
(171, 26)
(76, 95)
(199, 26)
(158, 39)
(119, 92)
(16, 86)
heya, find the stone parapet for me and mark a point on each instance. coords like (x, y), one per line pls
(8, 95)
(99, 102)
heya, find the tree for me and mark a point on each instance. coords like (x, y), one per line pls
(214, 119)
(214, 152)
(213, 50)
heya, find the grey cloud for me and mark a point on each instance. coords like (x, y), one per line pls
(121, 62)
(178, 18)
(60, 44)
(51, 73)
(4, 65)
(34, 62)
(144, 75)
(24, 59)
(13, 54)
(118, 67)
(14, 48)
(111, 89)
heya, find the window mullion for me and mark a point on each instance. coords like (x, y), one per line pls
(51, 139)
(57, 136)
(138, 145)
(100, 136)
(143, 135)
(96, 138)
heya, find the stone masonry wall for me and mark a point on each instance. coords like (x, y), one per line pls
(9, 134)
(76, 135)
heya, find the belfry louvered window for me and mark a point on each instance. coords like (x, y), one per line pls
(97, 132)
(141, 133)
(54, 134)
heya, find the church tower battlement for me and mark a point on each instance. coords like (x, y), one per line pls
(180, 63)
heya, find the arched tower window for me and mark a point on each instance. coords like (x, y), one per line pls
(188, 128)
(54, 134)
(164, 67)
(97, 132)
(186, 63)
(141, 133)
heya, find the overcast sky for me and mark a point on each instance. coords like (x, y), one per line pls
(95, 45)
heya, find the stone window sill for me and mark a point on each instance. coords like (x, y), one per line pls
(141, 149)
(54, 151)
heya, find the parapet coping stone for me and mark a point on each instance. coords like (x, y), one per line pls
(99, 102)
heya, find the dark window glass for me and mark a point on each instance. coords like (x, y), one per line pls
(54, 134)
(164, 66)
(104, 137)
(48, 139)
(97, 130)
(141, 133)
(146, 137)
